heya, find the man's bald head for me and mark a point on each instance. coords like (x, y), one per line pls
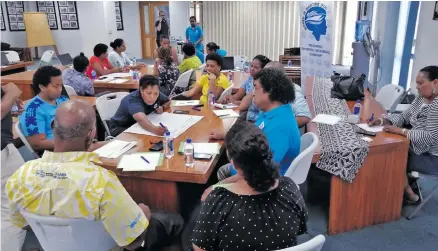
(74, 120)
(275, 64)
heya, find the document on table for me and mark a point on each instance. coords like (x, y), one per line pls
(225, 106)
(119, 75)
(366, 127)
(227, 113)
(114, 149)
(184, 102)
(326, 119)
(206, 148)
(104, 80)
(175, 123)
(118, 81)
(137, 161)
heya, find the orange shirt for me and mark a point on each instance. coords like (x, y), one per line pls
(105, 65)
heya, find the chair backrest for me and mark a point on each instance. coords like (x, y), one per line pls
(107, 105)
(70, 90)
(12, 56)
(315, 244)
(226, 92)
(239, 61)
(46, 58)
(300, 166)
(55, 233)
(26, 143)
(183, 81)
(390, 96)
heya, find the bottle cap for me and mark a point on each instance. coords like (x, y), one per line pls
(189, 140)
(358, 101)
(167, 133)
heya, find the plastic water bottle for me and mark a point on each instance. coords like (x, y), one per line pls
(168, 145)
(362, 27)
(189, 151)
(135, 75)
(230, 76)
(134, 61)
(289, 63)
(211, 100)
(93, 75)
(356, 108)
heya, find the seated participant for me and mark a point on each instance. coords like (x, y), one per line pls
(100, 63)
(214, 48)
(137, 105)
(258, 63)
(76, 77)
(215, 81)
(299, 106)
(261, 211)
(419, 124)
(190, 61)
(165, 43)
(118, 56)
(39, 112)
(273, 93)
(79, 188)
(167, 72)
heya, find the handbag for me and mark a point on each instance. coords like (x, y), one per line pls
(346, 87)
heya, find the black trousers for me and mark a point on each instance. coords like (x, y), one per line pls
(158, 43)
(115, 129)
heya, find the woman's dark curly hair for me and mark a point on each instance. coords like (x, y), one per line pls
(277, 84)
(249, 149)
(262, 59)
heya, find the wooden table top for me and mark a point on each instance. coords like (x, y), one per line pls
(369, 106)
(19, 64)
(174, 169)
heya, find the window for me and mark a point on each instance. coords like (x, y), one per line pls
(196, 10)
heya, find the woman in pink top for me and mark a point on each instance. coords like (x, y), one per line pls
(100, 63)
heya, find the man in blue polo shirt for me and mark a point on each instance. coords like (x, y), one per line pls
(195, 35)
(273, 93)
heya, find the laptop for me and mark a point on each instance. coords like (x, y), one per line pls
(228, 63)
(66, 60)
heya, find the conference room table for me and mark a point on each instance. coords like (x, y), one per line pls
(376, 194)
(14, 68)
(24, 81)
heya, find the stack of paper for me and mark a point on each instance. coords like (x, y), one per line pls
(366, 127)
(326, 119)
(225, 106)
(175, 123)
(119, 75)
(141, 161)
(104, 79)
(184, 102)
(114, 149)
(206, 148)
(228, 113)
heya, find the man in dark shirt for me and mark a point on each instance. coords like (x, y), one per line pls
(137, 105)
(162, 27)
(12, 236)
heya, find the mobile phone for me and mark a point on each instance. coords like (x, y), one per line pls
(181, 112)
(202, 156)
(102, 78)
(357, 129)
(157, 147)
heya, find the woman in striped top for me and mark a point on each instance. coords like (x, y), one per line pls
(419, 124)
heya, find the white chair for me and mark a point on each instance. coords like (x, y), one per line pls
(182, 82)
(202, 68)
(300, 166)
(390, 96)
(239, 61)
(226, 92)
(12, 56)
(70, 90)
(20, 133)
(56, 234)
(107, 105)
(315, 244)
(46, 58)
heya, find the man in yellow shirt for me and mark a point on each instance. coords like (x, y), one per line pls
(69, 183)
(214, 81)
(190, 61)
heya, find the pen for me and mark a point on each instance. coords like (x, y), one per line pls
(143, 158)
(223, 115)
(372, 117)
(162, 125)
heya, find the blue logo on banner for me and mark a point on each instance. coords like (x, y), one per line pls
(314, 20)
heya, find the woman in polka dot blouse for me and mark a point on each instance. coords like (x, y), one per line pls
(262, 211)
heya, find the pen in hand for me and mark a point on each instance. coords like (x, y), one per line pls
(371, 118)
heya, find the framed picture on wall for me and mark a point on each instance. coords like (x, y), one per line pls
(48, 7)
(435, 11)
(14, 12)
(2, 19)
(68, 12)
(119, 16)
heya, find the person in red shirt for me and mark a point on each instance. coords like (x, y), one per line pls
(100, 63)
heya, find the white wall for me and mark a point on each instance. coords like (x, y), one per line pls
(179, 13)
(426, 49)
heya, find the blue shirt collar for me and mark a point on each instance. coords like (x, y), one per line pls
(278, 111)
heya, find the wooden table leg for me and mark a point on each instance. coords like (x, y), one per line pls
(376, 194)
(156, 194)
